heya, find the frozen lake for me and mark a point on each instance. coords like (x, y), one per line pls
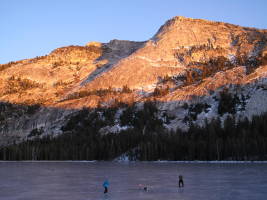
(83, 181)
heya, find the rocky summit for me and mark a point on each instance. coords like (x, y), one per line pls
(193, 70)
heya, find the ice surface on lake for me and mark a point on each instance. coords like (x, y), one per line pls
(83, 181)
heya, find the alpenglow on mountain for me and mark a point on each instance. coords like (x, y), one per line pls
(192, 70)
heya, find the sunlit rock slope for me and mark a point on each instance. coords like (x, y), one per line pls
(190, 68)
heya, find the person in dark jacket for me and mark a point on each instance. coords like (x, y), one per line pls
(181, 181)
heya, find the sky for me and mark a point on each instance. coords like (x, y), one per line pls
(30, 28)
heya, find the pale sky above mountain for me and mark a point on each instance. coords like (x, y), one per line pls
(32, 28)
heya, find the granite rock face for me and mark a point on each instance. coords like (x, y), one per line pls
(187, 62)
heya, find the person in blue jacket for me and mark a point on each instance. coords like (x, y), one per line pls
(105, 185)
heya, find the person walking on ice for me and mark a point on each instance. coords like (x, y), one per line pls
(105, 185)
(181, 181)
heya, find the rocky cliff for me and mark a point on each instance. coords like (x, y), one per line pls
(191, 68)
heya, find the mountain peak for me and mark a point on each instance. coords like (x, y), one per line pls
(185, 23)
(181, 20)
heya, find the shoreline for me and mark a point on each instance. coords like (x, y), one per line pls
(122, 161)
